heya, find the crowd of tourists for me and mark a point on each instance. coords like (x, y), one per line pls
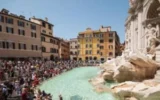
(19, 79)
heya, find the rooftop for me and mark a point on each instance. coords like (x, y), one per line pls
(6, 12)
(102, 29)
(46, 20)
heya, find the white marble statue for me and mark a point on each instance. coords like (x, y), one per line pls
(151, 32)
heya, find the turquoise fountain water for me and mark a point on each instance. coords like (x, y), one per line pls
(74, 85)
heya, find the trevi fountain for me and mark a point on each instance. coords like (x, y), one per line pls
(135, 74)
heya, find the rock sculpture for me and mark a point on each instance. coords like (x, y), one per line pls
(136, 67)
(146, 90)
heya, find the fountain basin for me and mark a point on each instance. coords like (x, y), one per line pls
(74, 84)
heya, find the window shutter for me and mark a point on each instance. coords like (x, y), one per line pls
(19, 46)
(12, 30)
(13, 45)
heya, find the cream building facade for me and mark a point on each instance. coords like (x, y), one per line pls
(19, 37)
(73, 48)
(142, 25)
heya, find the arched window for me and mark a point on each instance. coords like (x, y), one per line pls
(95, 58)
(86, 58)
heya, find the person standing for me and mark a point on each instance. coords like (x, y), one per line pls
(60, 97)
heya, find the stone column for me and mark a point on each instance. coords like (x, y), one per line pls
(132, 36)
(140, 34)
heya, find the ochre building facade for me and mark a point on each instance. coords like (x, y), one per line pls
(102, 44)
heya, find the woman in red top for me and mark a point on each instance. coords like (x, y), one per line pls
(24, 94)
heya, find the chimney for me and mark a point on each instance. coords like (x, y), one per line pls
(46, 19)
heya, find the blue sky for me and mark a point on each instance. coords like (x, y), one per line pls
(73, 16)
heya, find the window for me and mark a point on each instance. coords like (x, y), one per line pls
(90, 52)
(86, 45)
(22, 46)
(33, 34)
(86, 52)
(101, 53)
(21, 32)
(43, 49)
(11, 45)
(51, 41)
(43, 24)
(43, 31)
(101, 41)
(9, 30)
(20, 23)
(98, 52)
(43, 39)
(52, 50)
(7, 45)
(0, 28)
(110, 35)
(101, 35)
(4, 45)
(110, 54)
(101, 47)
(86, 40)
(1, 45)
(110, 47)
(49, 26)
(75, 53)
(110, 40)
(71, 53)
(34, 47)
(90, 45)
(97, 35)
(86, 58)
(50, 33)
(33, 27)
(9, 20)
(1, 18)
